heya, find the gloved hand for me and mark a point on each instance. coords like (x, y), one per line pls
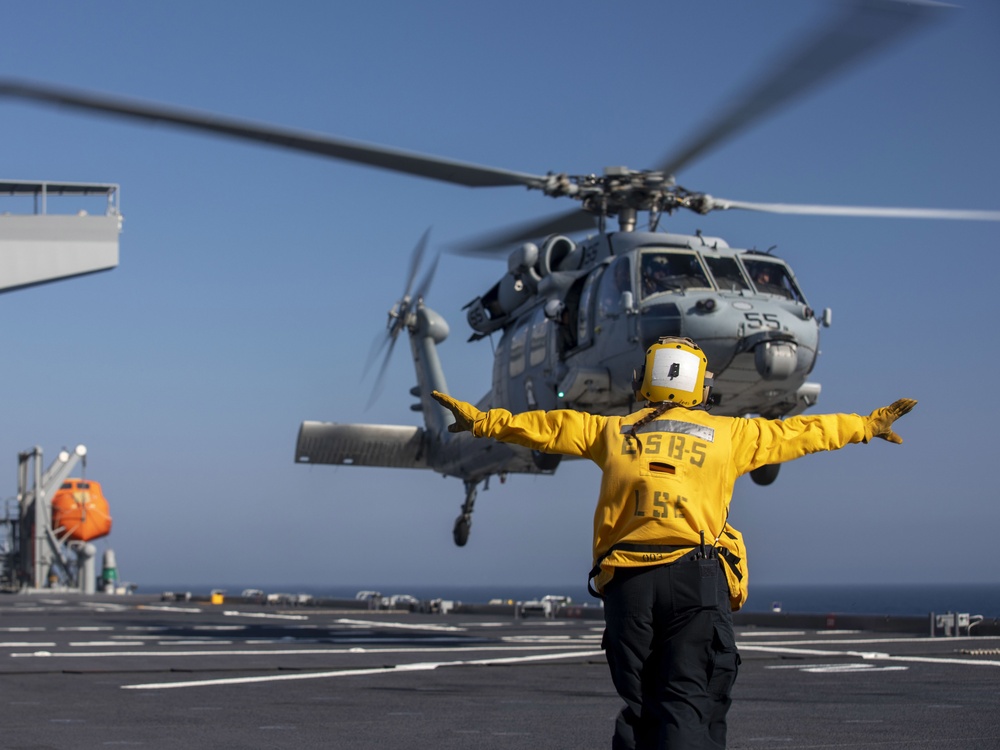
(880, 421)
(465, 414)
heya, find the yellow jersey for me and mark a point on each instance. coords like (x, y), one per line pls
(673, 479)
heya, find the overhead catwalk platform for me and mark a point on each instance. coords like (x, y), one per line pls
(37, 246)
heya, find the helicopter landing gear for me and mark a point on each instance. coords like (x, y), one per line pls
(764, 475)
(463, 523)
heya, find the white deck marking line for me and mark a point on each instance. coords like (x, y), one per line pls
(264, 615)
(419, 667)
(84, 629)
(908, 639)
(187, 610)
(828, 668)
(352, 651)
(400, 625)
(874, 655)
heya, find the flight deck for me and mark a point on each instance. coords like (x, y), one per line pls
(136, 671)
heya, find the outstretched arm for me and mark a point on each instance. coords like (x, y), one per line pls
(768, 441)
(563, 431)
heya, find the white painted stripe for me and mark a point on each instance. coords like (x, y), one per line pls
(24, 644)
(84, 629)
(824, 668)
(849, 641)
(264, 615)
(419, 667)
(295, 651)
(187, 610)
(400, 625)
(92, 644)
(876, 655)
(841, 668)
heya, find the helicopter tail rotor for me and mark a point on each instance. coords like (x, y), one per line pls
(400, 315)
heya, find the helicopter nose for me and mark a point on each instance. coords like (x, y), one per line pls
(776, 360)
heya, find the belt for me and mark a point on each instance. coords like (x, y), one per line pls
(731, 559)
(697, 552)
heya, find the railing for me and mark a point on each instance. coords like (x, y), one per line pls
(42, 189)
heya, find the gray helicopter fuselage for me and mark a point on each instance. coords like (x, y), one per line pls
(576, 335)
(574, 321)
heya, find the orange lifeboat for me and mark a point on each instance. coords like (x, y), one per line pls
(79, 510)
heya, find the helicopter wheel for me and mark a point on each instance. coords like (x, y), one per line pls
(461, 531)
(765, 474)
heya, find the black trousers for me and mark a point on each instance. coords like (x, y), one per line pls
(670, 645)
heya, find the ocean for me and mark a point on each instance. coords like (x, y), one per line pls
(868, 599)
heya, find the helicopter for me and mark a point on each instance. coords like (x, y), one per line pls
(573, 317)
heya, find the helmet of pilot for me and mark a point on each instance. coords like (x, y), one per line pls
(675, 371)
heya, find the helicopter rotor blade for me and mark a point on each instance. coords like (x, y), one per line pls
(425, 283)
(864, 28)
(490, 244)
(396, 160)
(871, 211)
(416, 258)
(379, 384)
(399, 314)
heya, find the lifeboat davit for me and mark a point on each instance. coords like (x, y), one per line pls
(79, 511)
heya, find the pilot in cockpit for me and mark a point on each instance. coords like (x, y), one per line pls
(768, 280)
(657, 275)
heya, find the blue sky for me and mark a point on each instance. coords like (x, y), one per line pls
(253, 280)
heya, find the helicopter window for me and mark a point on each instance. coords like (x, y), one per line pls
(617, 279)
(517, 343)
(727, 274)
(539, 333)
(671, 272)
(770, 277)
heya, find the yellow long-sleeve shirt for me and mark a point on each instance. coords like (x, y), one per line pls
(675, 479)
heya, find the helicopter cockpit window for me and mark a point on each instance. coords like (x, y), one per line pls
(770, 277)
(727, 274)
(617, 279)
(671, 272)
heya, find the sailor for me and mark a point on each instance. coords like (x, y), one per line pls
(666, 562)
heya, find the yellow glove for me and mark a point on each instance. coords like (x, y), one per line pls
(465, 414)
(880, 421)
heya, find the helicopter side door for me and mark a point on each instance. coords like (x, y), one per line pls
(525, 364)
(615, 320)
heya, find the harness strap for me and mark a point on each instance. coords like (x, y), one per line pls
(733, 560)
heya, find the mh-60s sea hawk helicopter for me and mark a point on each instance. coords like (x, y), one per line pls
(574, 317)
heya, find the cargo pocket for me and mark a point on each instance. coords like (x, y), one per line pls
(725, 661)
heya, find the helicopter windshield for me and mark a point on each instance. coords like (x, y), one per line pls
(727, 274)
(671, 272)
(772, 277)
